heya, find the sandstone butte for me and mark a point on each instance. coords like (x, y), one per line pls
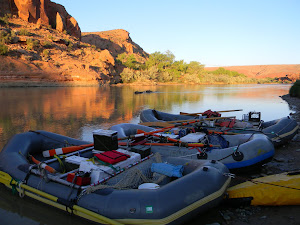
(63, 55)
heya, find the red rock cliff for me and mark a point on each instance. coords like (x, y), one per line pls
(115, 41)
(42, 12)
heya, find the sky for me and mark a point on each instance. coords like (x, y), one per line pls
(212, 32)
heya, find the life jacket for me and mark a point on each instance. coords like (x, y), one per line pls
(209, 114)
(229, 123)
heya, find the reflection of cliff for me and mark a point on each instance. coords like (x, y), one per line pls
(66, 110)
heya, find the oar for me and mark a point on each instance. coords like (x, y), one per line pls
(196, 114)
(59, 151)
(182, 144)
(169, 123)
(7, 180)
(43, 165)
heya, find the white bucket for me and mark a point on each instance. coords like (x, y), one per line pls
(149, 186)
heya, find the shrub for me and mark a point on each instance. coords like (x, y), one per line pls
(46, 53)
(4, 20)
(32, 44)
(51, 37)
(3, 49)
(295, 89)
(24, 32)
(5, 37)
(47, 44)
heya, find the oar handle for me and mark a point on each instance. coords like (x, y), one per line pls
(43, 165)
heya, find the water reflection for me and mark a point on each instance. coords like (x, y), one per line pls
(73, 111)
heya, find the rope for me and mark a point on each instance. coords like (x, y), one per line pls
(107, 164)
(61, 164)
(261, 182)
(131, 179)
(13, 186)
(62, 142)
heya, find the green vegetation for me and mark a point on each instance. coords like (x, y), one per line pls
(162, 67)
(51, 37)
(5, 37)
(24, 32)
(4, 20)
(295, 89)
(3, 49)
(46, 53)
(47, 44)
(32, 44)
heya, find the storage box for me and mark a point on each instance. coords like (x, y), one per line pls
(143, 150)
(105, 140)
(79, 180)
(101, 172)
(254, 116)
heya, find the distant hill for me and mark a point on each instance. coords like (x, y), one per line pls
(291, 72)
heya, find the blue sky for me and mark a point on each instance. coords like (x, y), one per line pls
(212, 32)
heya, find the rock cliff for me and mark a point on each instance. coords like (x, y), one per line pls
(116, 42)
(40, 54)
(42, 12)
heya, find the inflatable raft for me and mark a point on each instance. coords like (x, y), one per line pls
(151, 190)
(278, 189)
(237, 152)
(280, 131)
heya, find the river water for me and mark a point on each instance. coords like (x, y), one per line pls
(77, 111)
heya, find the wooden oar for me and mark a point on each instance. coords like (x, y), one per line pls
(169, 123)
(182, 144)
(196, 114)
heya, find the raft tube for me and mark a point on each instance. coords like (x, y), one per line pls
(244, 151)
(152, 115)
(278, 189)
(202, 185)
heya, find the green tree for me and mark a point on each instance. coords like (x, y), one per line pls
(195, 67)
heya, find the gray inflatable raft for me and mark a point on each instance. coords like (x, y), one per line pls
(280, 131)
(237, 152)
(201, 186)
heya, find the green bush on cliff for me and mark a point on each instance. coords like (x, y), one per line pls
(6, 36)
(129, 61)
(4, 20)
(295, 89)
(3, 49)
(24, 32)
(32, 44)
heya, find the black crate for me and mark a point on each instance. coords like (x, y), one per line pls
(254, 116)
(143, 150)
(105, 140)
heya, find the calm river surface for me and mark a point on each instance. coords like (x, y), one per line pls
(77, 111)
